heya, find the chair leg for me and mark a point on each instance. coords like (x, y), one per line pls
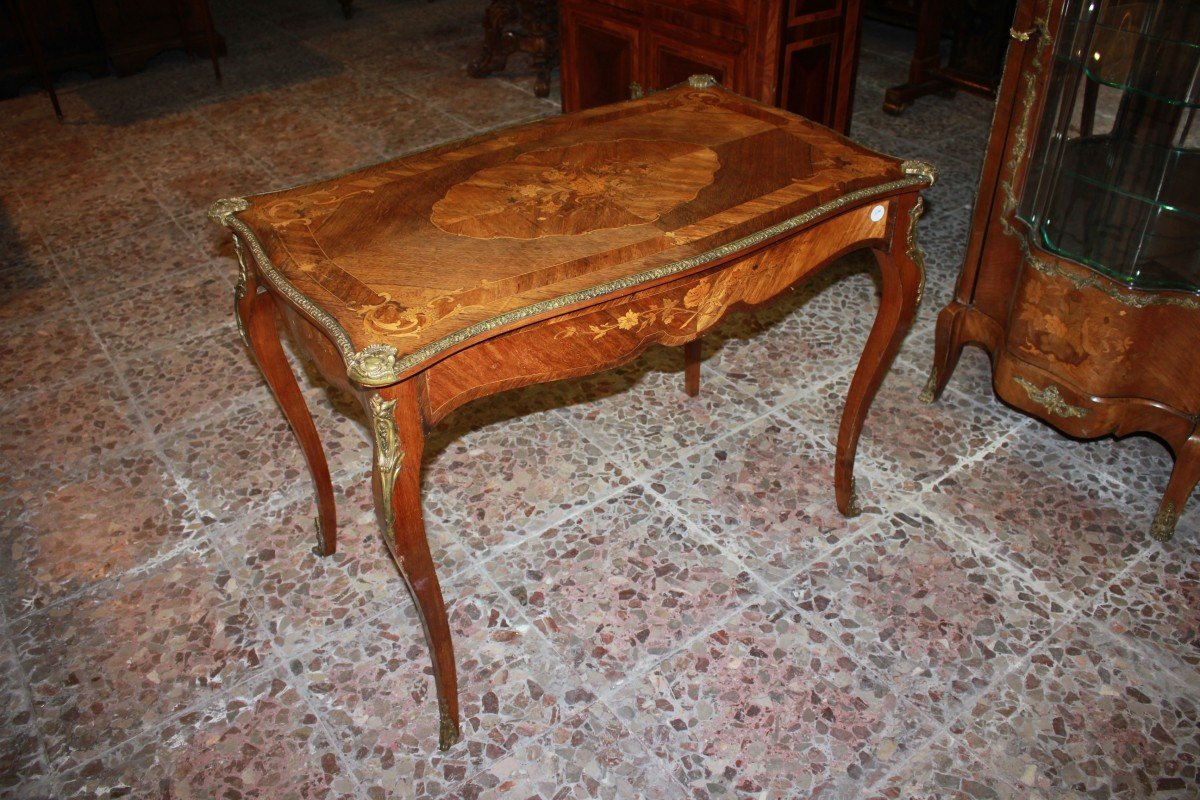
(33, 44)
(210, 36)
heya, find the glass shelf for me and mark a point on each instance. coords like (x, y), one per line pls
(1114, 180)
(1081, 229)
(1161, 176)
(1124, 48)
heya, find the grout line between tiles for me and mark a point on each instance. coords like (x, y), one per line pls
(232, 689)
(281, 654)
(966, 707)
(6, 640)
(1073, 612)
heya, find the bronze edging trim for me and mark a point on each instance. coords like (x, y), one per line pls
(914, 252)
(379, 365)
(1134, 298)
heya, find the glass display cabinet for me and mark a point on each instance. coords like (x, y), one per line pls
(1082, 276)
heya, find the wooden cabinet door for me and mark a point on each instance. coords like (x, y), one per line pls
(819, 60)
(605, 58)
(798, 54)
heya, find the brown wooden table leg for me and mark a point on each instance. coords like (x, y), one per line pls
(903, 273)
(529, 26)
(496, 47)
(691, 368)
(256, 316)
(399, 433)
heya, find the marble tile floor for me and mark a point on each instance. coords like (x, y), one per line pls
(652, 596)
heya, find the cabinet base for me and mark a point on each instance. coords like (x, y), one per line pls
(1067, 408)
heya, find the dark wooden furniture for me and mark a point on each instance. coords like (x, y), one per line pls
(978, 31)
(23, 25)
(527, 26)
(98, 35)
(348, 7)
(893, 12)
(796, 54)
(554, 250)
(1082, 275)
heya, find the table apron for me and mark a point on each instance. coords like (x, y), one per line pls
(609, 333)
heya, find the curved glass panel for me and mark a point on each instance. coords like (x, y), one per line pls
(1114, 180)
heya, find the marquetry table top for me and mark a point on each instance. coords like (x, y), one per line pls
(409, 257)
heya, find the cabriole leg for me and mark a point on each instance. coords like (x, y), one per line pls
(947, 347)
(256, 317)
(903, 277)
(399, 433)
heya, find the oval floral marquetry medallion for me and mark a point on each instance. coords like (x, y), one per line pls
(566, 191)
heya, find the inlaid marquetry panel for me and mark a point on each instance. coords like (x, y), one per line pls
(410, 251)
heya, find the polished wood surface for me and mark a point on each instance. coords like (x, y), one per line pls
(409, 252)
(797, 55)
(1068, 345)
(554, 250)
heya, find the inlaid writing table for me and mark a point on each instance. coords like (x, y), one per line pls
(551, 250)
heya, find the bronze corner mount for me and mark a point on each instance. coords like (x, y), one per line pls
(222, 211)
(914, 249)
(922, 169)
(374, 365)
(1039, 29)
(702, 81)
(388, 455)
